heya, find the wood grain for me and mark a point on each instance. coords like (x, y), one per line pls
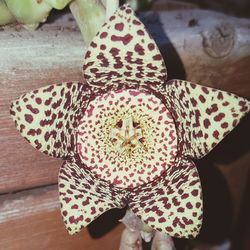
(31, 220)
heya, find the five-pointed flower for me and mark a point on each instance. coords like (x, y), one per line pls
(127, 136)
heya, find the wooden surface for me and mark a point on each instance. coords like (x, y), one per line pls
(31, 220)
(54, 53)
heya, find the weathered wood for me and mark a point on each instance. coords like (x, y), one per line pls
(54, 53)
(205, 47)
(31, 220)
(28, 61)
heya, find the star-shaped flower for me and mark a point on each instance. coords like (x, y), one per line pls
(127, 136)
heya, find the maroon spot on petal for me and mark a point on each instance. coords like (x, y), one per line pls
(28, 118)
(31, 132)
(74, 220)
(93, 44)
(202, 98)
(136, 22)
(151, 46)
(114, 51)
(157, 57)
(159, 212)
(162, 220)
(86, 202)
(66, 199)
(220, 96)
(152, 219)
(61, 185)
(176, 221)
(119, 26)
(103, 35)
(175, 201)
(205, 90)
(193, 101)
(224, 125)
(139, 49)
(189, 205)
(72, 186)
(243, 106)
(57, 104)
(38, 145)
(214, 108)
(87, 55)
(38, 100)
(93, 210)
(103, 47)
(184, 196)
(49, 89)
(140, 32)
(33, 110)
(206, 123)
(198, 204)
(48, 101)
(216, 134)
(88, 220)
(169, 229)
(180, 210)
(74, 207)
(124, 39)
(195, 192)
(219, 117)
(64, 213)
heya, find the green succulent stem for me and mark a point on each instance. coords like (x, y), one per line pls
(5, 15)
(91, 15)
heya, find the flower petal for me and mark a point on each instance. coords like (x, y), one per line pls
(124, 53)
(47, 117)
(204, 116)
(127, 138)
(173, 203)
(83, 197)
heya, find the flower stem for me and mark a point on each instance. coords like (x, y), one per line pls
(5, 15)
(91, 15)
(111, 7)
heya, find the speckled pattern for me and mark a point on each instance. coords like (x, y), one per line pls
(128, 137)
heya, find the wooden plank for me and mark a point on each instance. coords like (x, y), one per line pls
(31, 220)
(29, 61)
(205, 47)
(54, 54)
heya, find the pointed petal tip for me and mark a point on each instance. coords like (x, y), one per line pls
(204, 115)
(173, 204)
(46, 117)
(124, 44)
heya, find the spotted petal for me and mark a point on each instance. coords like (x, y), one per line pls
(173, 203)
(204, 116)
(124, 53)
(84, 197)
(47, 117)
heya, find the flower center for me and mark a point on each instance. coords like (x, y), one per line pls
(127, 138)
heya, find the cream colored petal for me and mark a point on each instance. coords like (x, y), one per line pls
(124, 53)
(47, 117)
(203, 115)
(83, 197)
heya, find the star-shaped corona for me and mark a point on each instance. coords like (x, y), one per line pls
(127, 135)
